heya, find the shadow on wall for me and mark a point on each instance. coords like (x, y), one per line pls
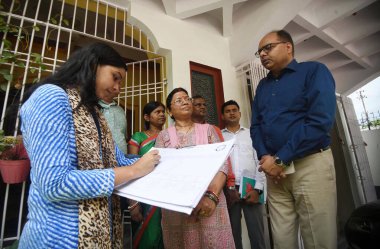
(344, 189)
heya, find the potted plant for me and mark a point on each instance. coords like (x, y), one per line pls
(14, 160)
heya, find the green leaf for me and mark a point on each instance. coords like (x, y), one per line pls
(8, 77)
(37, 57)
(32, 69)
(36, 28)
(53, 20)
(35, 54)
(13, 30)
(20, 64)
(66, 22)
(4, 71)
(8, 55)
(7, 43)
(3, 29)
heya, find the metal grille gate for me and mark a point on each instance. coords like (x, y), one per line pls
(250, 75)
(145, 82)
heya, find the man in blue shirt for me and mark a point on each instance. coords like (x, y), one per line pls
(292, 114)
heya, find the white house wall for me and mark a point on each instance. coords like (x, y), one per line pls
(183, 41)
(256, 19)
(372, 139)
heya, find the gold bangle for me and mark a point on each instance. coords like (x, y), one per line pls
(212, 197)
(213, 193)
(133, 206)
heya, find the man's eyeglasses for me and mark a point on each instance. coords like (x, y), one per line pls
(267, 48)
(181, 101)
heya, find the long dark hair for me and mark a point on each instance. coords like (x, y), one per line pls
(79, 71)
(149, 108)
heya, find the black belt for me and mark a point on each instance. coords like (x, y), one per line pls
(316, 151)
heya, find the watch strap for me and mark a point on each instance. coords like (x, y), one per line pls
(279, 162)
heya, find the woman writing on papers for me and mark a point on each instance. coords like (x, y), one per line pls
(146, 219)
(209, 224)
(73, 157)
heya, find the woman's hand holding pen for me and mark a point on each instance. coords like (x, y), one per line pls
(147, 162)
(140, 168)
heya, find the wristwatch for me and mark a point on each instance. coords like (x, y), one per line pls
(280, 163)
(231, 187)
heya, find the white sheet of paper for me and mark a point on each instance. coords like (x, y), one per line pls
(180, 179)
(290, 170)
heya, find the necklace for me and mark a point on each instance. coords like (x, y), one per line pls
(183, 138)
(188, 129)
(150, 133)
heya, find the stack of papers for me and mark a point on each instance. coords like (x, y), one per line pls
(180, 179)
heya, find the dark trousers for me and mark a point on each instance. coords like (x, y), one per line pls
(254, 218)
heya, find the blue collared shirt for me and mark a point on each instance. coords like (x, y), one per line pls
(292, 115)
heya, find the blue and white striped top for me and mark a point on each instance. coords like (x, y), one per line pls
(56, 183)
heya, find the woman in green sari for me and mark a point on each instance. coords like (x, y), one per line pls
(146, 219)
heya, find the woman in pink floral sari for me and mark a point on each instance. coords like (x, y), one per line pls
(209, 225)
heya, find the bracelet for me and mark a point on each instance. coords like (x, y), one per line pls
(133, 206)
(213, 193)
(212, 196)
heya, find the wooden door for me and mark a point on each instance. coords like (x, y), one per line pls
(207, 82)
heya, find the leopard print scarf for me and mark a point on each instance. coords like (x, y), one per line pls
(94, 215)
